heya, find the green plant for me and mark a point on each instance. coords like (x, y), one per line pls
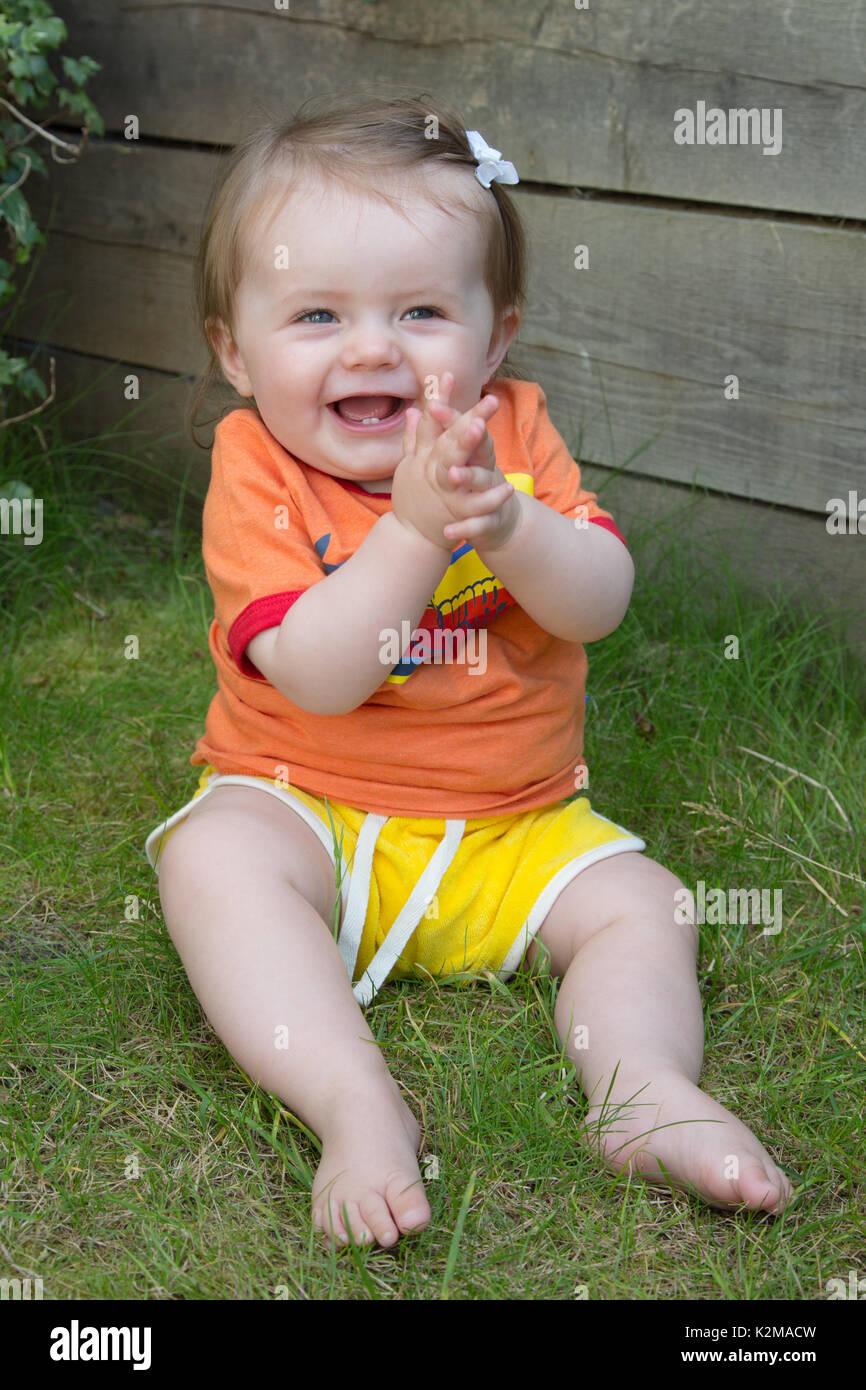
(28, 30)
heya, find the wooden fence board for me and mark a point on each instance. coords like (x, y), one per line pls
(574, 98)
(671, 303)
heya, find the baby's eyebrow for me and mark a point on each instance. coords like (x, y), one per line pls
(312, 293)
(318, 293)
(443, 296)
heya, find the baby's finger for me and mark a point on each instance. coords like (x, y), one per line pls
(462, 439)
(484, 455)
(454, 450)
(473, 478)
(473, 529)
(442, 412)
(440, 405)
(483, 410)
(428, 430)
(410, 429)
(469, 504)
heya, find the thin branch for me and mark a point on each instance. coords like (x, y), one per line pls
(46, 134)
(14, 419)
(18, 182)
(85, 131)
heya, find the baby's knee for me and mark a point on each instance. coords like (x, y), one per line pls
(686, 912)
(665, 897)
(677, 904)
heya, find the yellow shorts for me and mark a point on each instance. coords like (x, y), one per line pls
(478, 890)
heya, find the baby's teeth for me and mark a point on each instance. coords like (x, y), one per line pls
(371, 420)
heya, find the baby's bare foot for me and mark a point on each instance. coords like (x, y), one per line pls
(369, 1162)
(667, 1123)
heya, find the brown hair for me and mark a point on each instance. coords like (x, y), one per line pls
(349, 140)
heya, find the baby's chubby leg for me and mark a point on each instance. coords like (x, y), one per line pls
(629, 1002)
(248, 895)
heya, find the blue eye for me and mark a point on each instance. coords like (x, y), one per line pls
(424, 309)
(310, 314)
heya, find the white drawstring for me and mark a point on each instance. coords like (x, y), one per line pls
(359, 891)
(360, 877)
(409, 915)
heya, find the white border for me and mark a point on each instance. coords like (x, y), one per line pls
(551, 891)
(258, 784)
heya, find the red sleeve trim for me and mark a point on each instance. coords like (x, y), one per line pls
(353, 487)
(608, 525)
(262, 613)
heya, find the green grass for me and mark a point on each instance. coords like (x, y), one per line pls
(108, 1062)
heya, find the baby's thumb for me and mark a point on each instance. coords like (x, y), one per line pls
(410, 430)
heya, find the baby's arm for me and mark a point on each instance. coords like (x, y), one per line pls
(575, 582)
(327, 654)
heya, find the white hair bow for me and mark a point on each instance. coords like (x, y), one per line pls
(490, 164)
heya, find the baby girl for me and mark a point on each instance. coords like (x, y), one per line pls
(373, 806)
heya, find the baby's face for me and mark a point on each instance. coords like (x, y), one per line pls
(369, 304)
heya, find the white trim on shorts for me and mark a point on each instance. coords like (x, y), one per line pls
(551, 891)
(259, 784)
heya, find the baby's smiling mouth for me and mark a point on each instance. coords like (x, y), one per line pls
(378, 414)
(367, 410)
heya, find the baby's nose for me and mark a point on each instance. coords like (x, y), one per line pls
(371, 346)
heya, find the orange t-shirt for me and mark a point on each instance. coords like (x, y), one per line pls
(439, 737)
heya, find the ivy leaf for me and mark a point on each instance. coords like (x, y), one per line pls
(42, 75)
(31, 383)
(17, 213)
(14, 490)
(25, 92)
(79, 69)
(76, 102)
(48, 31)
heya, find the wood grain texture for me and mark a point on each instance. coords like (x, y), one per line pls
(573, 98)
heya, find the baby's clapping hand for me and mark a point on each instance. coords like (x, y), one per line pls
(449, 457)
(476, 485)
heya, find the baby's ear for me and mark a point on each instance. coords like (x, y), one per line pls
(502, 338)
(217, 334)
(226, 350)
(211, 327)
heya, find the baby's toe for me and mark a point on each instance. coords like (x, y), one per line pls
(760, 1184)
(408, 1202)
(352, 1220)
(377, 1215)
(326, 1228)
(780, 1188)
(329, 1220)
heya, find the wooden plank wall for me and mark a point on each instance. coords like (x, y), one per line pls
(704, 261)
